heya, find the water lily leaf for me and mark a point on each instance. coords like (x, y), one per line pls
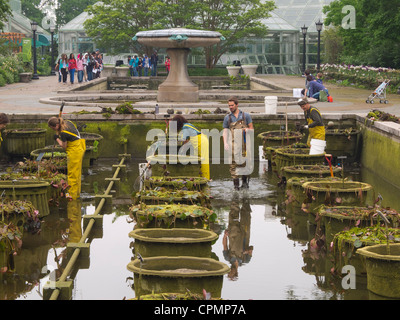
(358, 243)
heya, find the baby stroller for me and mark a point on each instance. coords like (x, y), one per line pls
(380, 93)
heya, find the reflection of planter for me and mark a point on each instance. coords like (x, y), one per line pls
(344, 193)
(249, 69)
(313, 170)
(286, 157)
(178, 274)
(172, 215)
(383, 269)
(177, 183)
(33, 191)
(162, 195)
(233, 71)
(173, 242)
(122, 71)
(23, 141)
(342, 142)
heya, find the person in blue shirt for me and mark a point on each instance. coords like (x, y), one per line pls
(315, 87)
(237, 120)
(189, 133)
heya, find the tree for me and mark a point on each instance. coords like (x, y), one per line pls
(375, 39)
(114, 23)
(69, 9)
(5, 11)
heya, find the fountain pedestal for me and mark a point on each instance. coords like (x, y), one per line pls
(178, 87)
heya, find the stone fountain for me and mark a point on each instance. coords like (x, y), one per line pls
(178, 87)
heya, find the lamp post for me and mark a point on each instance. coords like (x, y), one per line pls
(319, 28)
(304, 32)
(34, 28)
(52, 28)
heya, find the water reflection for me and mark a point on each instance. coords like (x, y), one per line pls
(236, 240)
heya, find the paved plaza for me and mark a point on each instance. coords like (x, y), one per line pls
(23, 98)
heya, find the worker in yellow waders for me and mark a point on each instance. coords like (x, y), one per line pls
(68, 137)
(314, 123)
(238, 121)
(3, 123)
(197, 139)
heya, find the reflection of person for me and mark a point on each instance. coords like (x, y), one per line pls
(314, 123)
(74, 218)
(3, 123)
(68, 137)
(236, 238)
(197, 139)
(237, 119)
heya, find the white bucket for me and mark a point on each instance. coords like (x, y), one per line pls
(271, 103)
(297, 92)
(317, 146)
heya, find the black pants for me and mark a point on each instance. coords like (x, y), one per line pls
(64, 74)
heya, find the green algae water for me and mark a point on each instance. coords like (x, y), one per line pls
(268, 250)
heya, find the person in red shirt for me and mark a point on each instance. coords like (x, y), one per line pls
(167, 64)
(72, 67)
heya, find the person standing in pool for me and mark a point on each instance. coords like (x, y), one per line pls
(68, 137)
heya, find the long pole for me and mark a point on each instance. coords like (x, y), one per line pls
(52, 55)
(304, 52)
(319, 50)
(35, 75)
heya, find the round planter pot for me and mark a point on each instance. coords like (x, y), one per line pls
(173, 242)
(33, 191)
(162, 196)
(317, 171)
(178, 274)
(342, 142)
(286, 157)
(175, 165)
(249, 69)
(344, 193)
(177, 183)
(20, 142)
(383, 269)
(91, 138)
(233, 71)
(58, 152)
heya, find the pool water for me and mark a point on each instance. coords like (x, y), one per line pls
(270, 248)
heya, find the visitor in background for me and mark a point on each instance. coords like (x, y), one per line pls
(314, 123)
(58, 70)
(64, 67)
(89, 66)
(167, 64)
(140, 67)
(199, 141)
(68, 137)
(85, 59)
(315, 88)
(130, 64)
(305, 91)
(234, 122)
(153, 62)
(146, 65)
(319, 77)
(79, 67)
(3, 123)
(99, 60)
(72, 67)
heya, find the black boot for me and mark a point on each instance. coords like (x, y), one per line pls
(245, 182)
(236, 184)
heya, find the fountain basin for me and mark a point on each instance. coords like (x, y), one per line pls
(178, 274)
(173, 242)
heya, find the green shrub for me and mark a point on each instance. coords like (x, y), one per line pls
(2, 81)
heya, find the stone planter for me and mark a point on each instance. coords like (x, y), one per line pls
(25, 76)
(249, 69)
(108, 71)
(286, 157)
(178, 274)
(173, 242)
(342, 142)
(312, 170)
(122, 71)
(276, 139)
(177, 183)
(171, 216)
(233, 71)
(383, 269)
(33, 191)
(342, 193)
(20, 142)
(163, 195)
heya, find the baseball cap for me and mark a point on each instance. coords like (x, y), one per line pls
(302, 101)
